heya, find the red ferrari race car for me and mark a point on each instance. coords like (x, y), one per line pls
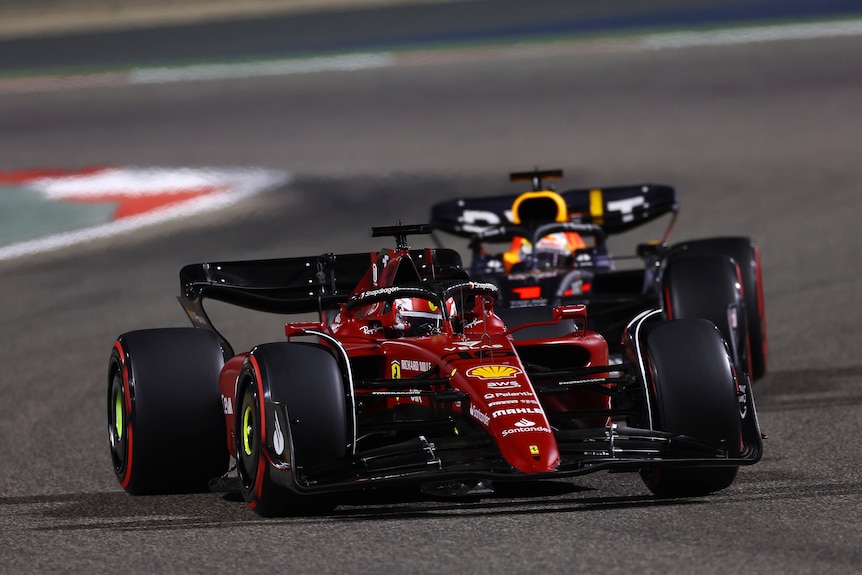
(543, 248)
(408, 377)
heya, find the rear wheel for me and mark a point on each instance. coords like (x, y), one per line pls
(707, 287)
(695, 394)
(746, 254)
(306, 383)
(165, 417)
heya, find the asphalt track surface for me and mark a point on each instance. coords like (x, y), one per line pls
(761, 139)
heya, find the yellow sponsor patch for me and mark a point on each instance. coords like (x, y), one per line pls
(597, 207)
(493, 371)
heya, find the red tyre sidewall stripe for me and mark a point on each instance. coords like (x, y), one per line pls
(261, 460)
(127, 401)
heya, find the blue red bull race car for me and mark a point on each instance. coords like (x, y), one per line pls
(544, 248)
(408, 376)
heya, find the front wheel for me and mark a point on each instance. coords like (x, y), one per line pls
(303, 382)
(695, 394)
(258, 489)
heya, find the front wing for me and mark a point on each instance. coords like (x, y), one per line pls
(430, 459)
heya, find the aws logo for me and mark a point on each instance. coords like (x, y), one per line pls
(493, 371)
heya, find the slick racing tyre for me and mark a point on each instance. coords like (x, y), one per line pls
(165, 416)
(695, 394)
(306, 381)
(707, 287)
(747, 256)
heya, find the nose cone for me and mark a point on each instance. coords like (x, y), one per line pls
(530, 449)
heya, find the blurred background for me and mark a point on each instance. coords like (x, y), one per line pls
(295, 126)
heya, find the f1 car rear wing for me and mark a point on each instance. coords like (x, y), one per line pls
(284, 285)
(296, 285)
(615, 209)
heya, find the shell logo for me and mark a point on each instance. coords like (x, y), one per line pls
(493, 371)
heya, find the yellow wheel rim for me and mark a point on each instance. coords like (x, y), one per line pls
(247, 420)
(118, 415)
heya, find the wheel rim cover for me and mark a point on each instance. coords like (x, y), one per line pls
(118, 415)
(248, 430)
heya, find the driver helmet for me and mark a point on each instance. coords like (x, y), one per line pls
(535, 208)
(553, 249)
(419, 316)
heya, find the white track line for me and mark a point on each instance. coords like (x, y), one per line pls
(362, 61)
(748, 35)
(441, 55)
(345, 63)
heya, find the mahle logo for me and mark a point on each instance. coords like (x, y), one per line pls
(493, 371)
